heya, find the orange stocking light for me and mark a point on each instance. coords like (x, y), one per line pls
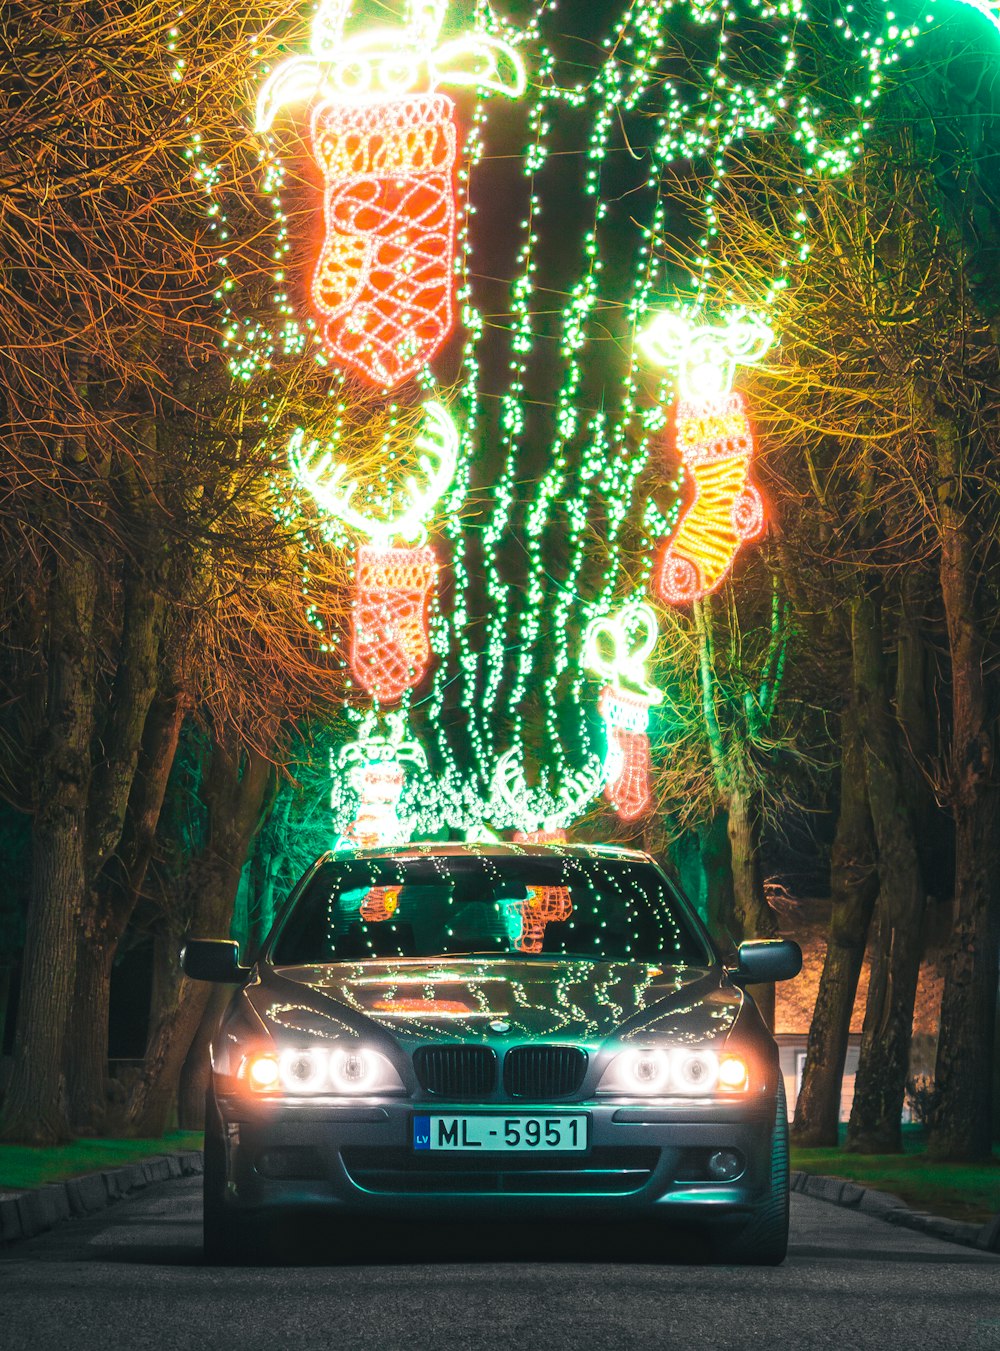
(387, 148)
(715, 445)
(526, 920)
(618, 647)
(390, 644)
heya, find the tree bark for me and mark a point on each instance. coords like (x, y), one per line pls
(962, 1120)
(111, 904)
(880, 1085)
(198, 1064)
(235, 791)
(34, 1107)
(720, 906)
(854, 887)
(754, 917)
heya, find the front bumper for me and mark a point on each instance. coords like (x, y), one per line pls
(358, 1159)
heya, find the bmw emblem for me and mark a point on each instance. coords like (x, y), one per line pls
(498, 1025)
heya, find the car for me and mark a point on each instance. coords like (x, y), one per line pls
(444, 1031)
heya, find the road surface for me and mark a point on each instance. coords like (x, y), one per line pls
(133, 1277)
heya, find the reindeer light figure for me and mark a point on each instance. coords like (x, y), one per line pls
(386, 142)
(617, 647)
(715, 445)
(540, 817)
(390, 644)
(375, 764)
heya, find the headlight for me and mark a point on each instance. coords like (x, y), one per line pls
(320, 1069)
(665, 1073)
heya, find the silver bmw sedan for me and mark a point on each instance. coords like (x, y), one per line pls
(507, 1031)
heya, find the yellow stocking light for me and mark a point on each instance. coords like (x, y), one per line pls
(715, 444)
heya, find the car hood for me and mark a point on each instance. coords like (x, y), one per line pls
(495, 1000)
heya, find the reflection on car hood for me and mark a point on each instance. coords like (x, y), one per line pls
(496, 1000)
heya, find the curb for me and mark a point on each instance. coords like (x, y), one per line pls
(885, 1206)
(27, 1213)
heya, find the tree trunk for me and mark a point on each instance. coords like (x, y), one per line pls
(198, 1064)
(86, 1046)
(962, 1120)
(854, 886)
(234, 800)
(720, 905)
(880, 1086)
(34, 1107)
(108, 913)
(754, 917)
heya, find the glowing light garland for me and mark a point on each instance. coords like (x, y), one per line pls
(715, 444)
(509, 645)
(384, 279)
(617, 647)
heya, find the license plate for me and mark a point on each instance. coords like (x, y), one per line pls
(502, 1134)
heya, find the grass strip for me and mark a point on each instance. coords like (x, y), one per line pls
(959, 1191)
(24, 1166)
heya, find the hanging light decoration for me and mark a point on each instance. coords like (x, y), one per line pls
(617, 647)
(390, 643)
(386, 143)
(715, 445)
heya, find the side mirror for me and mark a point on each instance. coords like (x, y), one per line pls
(215, 959)
(767, 959)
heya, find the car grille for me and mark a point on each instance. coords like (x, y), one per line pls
(605, 1171)
(456, 1071)
(543, 1071)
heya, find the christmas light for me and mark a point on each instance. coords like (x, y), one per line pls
(556, 524)
(390, 643)
(989, 9)
(380, 903)
(385, 275)
(714, 442)
(617, 647)
(375, 767)
(526, 920)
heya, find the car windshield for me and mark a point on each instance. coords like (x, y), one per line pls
(422, 905)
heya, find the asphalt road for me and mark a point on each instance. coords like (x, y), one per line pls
(134, 1277)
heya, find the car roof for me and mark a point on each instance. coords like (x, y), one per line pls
(498, 849)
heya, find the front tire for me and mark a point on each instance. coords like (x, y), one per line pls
(226, 1238)
(763, 1242)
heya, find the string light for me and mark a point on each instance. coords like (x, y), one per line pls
(556, 522)
(390, 640)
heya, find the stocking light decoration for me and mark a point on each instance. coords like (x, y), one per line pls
(526, 920)
(375, 766)
(390, 644)
(386, 142)
(617, 648)
(715, 445)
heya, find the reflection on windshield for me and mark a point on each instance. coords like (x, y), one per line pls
(417, 904)
(526, 920)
